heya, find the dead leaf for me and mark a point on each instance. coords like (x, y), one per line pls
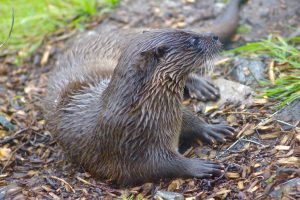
(282, 148)
(290, 161)
(260, 101)
(5, 153)
(232, 175)
(241, 185)
(175, 185)
(268, 136)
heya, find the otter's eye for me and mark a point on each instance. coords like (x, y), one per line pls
(195, 41)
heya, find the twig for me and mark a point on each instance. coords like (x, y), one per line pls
(252, 141)
(243, 130)
(65, 182)
(15, 136)
(7, 162)
(231, 146)
(283, 122)
(220, 177)
(243, 113)
(266, 120)
(11, 28)
(85, 181)
(101, 186)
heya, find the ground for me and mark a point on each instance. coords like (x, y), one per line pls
(263, 157)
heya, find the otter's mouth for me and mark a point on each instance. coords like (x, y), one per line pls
(205, 65)
(208, 47)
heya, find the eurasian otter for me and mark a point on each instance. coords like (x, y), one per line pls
(122, 119)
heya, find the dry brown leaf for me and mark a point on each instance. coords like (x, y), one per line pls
(210, 108)
(298, 137)
(54, 196)
(282, 148)
(231, 119)
(45, 56)
(3, 175)
(3, 133)
(190, 1)
(31, 173)
(5, 153)
(284, 139)
(260, 101)
(186, 102)
(241, 185)
(46, 188)
(243, 130)
(175, 185)
(256, 165)
(290, 161)
(269, 136)
(249, 132)
(265, 128)
(222, 193)
(232, 175)
(258, 173)
(191, 198)
(245, 171)
(253, 189)
(271, 72)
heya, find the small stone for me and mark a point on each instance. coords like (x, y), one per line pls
(247, 71)
(165, 195)
(286, 188)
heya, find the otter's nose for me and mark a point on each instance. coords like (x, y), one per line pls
(215, 38)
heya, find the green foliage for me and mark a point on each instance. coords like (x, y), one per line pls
(36, 18)
(243, 29)
(284, 52)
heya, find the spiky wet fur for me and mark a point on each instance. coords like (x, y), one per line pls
(114, 101)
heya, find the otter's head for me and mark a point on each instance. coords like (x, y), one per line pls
(163, 57)
(170, 53)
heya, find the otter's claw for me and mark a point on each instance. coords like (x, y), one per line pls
(204, 169)
(212, 133)
(198, 88)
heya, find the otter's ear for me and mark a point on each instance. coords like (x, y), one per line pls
(158, 52)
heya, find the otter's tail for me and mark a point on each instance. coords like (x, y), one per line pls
(226, 24)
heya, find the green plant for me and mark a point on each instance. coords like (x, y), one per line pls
(286, 57)
(37, 18)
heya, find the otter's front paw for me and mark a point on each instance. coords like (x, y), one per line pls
(204, 169)
(198, 88)
(212, 133)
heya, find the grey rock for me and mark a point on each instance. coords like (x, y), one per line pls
(165, 195)
(247, 71)
(289, 114)
(233, 92)
(284, 188)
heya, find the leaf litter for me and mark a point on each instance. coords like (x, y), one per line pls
(261, 161)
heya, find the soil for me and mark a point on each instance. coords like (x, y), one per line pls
(263, 156)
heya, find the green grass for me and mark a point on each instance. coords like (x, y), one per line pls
(37, 18)
(286, 55)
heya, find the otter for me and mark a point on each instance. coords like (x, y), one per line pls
(114, 101)
(124, 123)
(224, 26)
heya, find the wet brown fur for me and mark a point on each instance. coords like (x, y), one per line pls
(127, 128)
(114, 103)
